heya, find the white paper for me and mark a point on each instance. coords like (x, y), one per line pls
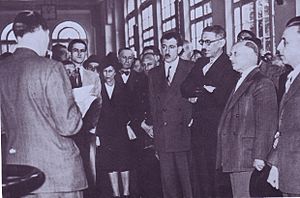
(83, 98)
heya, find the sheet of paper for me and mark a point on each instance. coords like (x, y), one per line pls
(83, 98)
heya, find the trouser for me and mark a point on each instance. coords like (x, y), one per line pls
(175, 174)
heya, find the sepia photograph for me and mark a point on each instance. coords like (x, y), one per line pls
(150, 98)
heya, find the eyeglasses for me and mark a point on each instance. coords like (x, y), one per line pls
(208, 42)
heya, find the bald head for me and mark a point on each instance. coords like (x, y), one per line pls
(243, 55)
(148, 62)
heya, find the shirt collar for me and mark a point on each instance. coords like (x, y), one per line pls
(294, 73)
(248, 70)
(174, 63)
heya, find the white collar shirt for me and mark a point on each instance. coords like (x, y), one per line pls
(291, 77)
(173, 66)
(244, 74)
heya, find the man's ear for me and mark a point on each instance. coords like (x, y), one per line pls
(223, 42)
(179, 49)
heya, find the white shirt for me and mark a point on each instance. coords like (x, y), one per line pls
(125, 77)
(245, 73)
(109, 89)
(291, 77)
(208, 65)
(173, 68)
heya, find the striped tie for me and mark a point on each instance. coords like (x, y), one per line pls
(169, 76)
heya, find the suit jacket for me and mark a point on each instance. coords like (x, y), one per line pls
(39, 114)
(288, 149)
(113, 118)
(248, 124)
(137, 88)
(221, 76)
(171, 112)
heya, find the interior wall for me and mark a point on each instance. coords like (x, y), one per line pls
(83, 17)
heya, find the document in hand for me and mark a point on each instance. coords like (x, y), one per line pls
(83, 98)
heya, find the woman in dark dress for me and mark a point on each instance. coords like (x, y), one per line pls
(114, 150)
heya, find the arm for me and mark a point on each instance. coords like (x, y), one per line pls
(266, 111)
(62, 107)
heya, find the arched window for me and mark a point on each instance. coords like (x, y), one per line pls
(64, 32)
(8, 39)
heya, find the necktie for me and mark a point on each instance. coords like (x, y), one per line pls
(169, 76)
(288, 83)
(78, 78)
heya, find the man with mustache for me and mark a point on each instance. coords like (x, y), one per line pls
(208, 87)
(171, 115)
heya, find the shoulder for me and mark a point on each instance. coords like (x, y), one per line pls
(154, 71)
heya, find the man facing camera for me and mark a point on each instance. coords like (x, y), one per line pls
(249, 120)
(39, 113)
(208, 87)
(171, 115)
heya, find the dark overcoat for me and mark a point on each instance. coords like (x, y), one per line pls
(248, 124)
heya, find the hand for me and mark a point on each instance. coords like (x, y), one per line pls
(193, 100)
(93, 130)
(276, 139)
(98, 141)
(209, 88)
(273, 178)
(150, 132)
(258, 164)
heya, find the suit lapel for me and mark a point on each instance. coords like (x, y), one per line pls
(292, 90)
(235, 95)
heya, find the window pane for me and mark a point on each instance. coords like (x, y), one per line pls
(199, 12)
(192, 2)
(207, 8)
(192, 14)
(248, 16)
(130, 5)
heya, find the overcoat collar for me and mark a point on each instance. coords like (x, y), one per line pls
(235, 95)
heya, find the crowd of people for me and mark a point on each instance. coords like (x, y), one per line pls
(175, 123)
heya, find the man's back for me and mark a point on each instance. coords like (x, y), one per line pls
(39, 113)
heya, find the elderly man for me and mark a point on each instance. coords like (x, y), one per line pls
(171, 116)
(208, 86)
(39, 113)
(249, 120)
(287, 158)
(148, 62)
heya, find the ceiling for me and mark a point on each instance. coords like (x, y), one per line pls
(31, 4)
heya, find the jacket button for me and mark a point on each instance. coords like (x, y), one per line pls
(12, 151)
(165, 123)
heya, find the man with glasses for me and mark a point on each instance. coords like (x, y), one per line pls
(208, 87)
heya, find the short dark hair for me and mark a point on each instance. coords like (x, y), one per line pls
(28, 21)
(294, 22)
(122, 49)
(58, 52)
(217, 29)
(170, 35)
(153, 48)
(252, 35)
(74, 41)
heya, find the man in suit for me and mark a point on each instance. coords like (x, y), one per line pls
(171, 116)
(249, 120)
(85, 139)
(39, 112)
(286, 163)
(208, 87)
